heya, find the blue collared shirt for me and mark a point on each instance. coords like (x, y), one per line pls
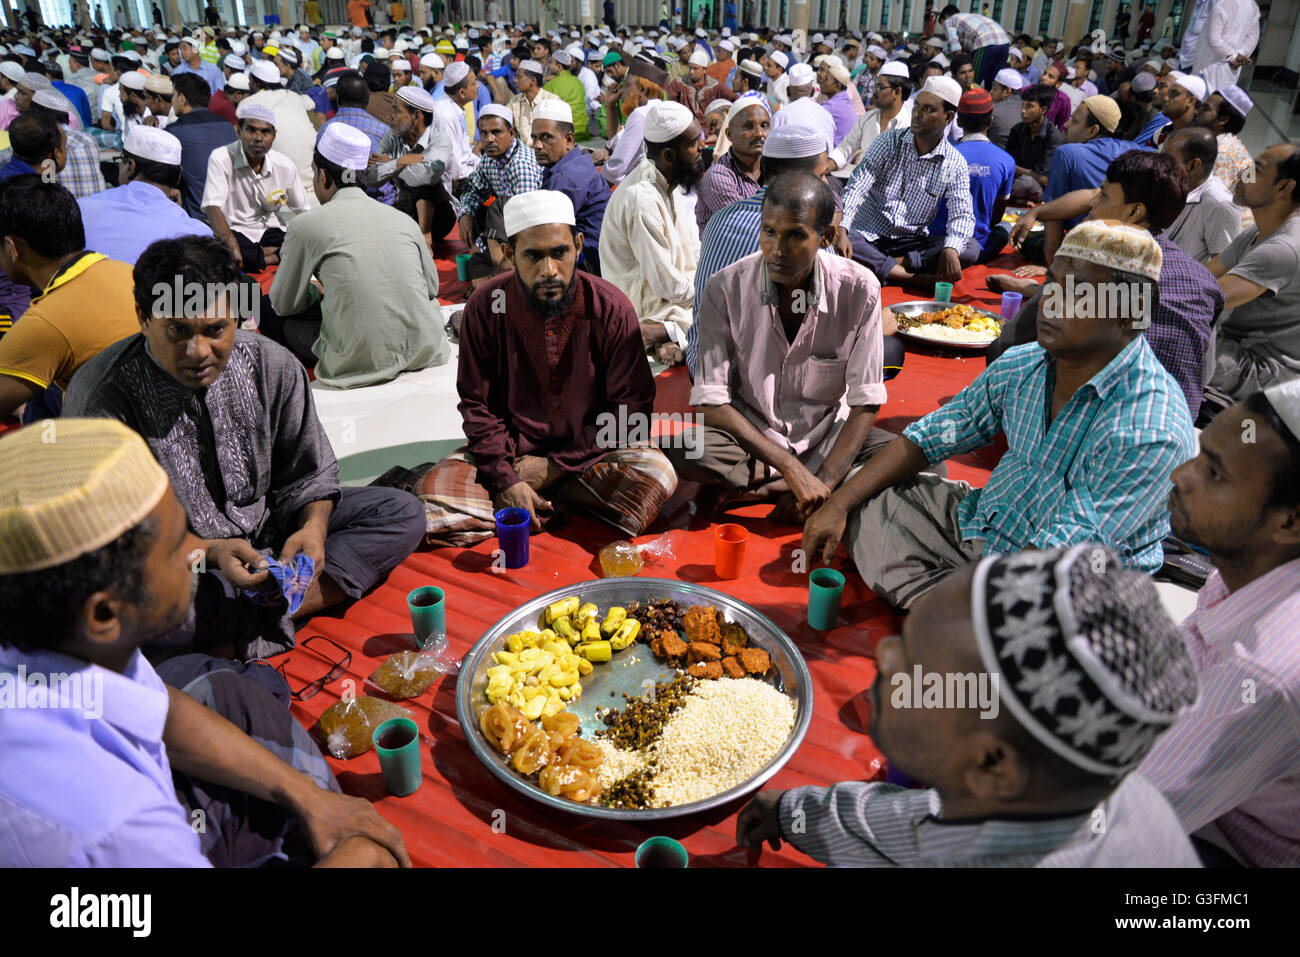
(121, 222)
(216, 79)
(576, 176)
(1100, 471)
(88, 784)
(731, 235)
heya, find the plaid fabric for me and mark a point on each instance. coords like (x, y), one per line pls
(359, 118)
(81, 176)
(723, 184)
(970, 32)
(1099, 473)
(516, 172)
(895, 192)
(1183, 321)
(625, 488)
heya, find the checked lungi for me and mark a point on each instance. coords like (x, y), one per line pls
(626, 488)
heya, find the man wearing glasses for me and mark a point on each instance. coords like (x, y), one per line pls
(892, 110)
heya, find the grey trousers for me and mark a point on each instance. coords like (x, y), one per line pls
(908, 538)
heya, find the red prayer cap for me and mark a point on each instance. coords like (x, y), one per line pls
(975, 100)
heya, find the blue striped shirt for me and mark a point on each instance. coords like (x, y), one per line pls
(1100, 471)
(731, 235)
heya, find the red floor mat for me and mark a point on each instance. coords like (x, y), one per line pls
(462, 816)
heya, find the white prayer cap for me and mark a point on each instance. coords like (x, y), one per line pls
(345, 145)
(192, 42)
(399, 46)
(678, 42)
(553, 109)
(1193, 85)
(13, 72)
(727, 45)
(254, 111)
(1155, 64)
(539, 207)
(290, 56)
(400, 63)
(752, 67)
(149, 143)
(432, 61)
(238, 47)
(717, 106)
(234, 62)
(945, 88)
(456, 72)
(576, 51)
(879, 52)
(743, 103)
(896, 68)
(1236, 98)
(562, 57)
(101, 55)
(1285, 400)
(157, 83)
(1171, 63)
(666, 120)
(52, 99)
(942, 61)
(779, 58)
(497, 110)
(817, 38)
(132, 80)
(238, 81)
(699, 32)
(875, 37)
(801, 74)
(699, 58)
(1116, 245)
(1010, 79)
(532, 66)
(934, 42)
(838, 70)
(267, 72)
(418, 97)
(807, 112)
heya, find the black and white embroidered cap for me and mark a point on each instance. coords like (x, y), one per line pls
(1088, 660)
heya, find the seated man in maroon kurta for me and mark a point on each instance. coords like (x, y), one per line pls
(552, 369)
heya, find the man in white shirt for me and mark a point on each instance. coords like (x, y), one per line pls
(248, 185)
(461, 87)
(1210, 220)
(587, 77)
(778, 82)
(891, 109)
(1227, 42)
(295, 134)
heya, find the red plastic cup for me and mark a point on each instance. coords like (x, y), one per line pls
(729, 550)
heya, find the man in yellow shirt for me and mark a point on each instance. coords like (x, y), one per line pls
(396, 11)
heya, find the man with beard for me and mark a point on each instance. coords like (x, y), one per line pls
(649, 244)
(229, 415)
(1231, 766)
(524, 104)
(247, 185)
(95, 562)
(431, 67)
(570, 171)
(735, 175)
(417, 156)
(549, 357)
(507, 169)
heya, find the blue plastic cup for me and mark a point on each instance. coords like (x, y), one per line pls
(1011, 304)
(512, 535)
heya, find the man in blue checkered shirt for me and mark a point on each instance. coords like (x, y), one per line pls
(894, 193)
(508, 168)
(1094, 427)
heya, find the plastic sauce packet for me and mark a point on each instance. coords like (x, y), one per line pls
(348, 726)
(658, 549)
(407, 674)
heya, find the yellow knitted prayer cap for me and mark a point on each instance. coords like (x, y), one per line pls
(70, 486)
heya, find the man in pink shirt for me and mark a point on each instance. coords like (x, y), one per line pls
(1231, 766)
(790, 362)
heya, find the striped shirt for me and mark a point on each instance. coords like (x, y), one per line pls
(970, 32)
(731, 235)
(1231, 766)
(882, 825)
(1098, 473)
(723, 184)
(895, 191)
(81, 175)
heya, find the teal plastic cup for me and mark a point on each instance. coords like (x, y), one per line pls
(397, 742)
(825, 589)
(462, 266)
(662, 852)
(943, 292)
(428, 606)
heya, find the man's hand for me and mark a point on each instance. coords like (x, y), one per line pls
(1020, 231)
(467, 230)
(823, 531)
(521, 495)
(377, 158)
(410, 159)
(843, 246)
(310, 541)
(808, 490)
(888, 321)
(600, 157)
(239, 257)
(760, 821)
(328, 819)
(949, 266)
(233, 556)
(786, 511)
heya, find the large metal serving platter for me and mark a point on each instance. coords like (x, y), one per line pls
(917, 306)
(628, 673)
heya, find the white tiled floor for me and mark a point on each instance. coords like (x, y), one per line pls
(1270, 104)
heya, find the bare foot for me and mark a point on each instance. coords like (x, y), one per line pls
(1004, 283)
(1029, 271)
(670, 354)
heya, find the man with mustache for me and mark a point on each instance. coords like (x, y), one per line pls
(649, 244)
(548, 354)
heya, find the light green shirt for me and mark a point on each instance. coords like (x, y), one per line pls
(380, 312)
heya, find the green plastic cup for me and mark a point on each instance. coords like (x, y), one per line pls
(428, 607)
(943, 292)
(825, 589)
(397, 742)
(462, 266)
(662, 852)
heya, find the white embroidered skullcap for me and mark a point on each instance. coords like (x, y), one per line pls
(12, 71)
(434, 62)
(743, 103)
(1236, 98)
(836, 68)
(575, 50)
(945, 88)
(498, 110)
(665, 121)
(1010, 79)
(808, 112)
(1285, 400)
(717, 106)
(267, 72)
(896, 68)
(1193, 85)
(779, 58)
(254, 111)
(539, 207)
(334, 53)
(941, 61)
(234, 62)
(1116, 245)
(149, 143)
(801, 74)
(418, 97)
(238, 81)
(132, 80)
(532, 66)
(456, 72)
(400, 64)
(553, 109)
(562, 57)
(699, 58)
(879, 52)
(52, 99)
(345, 145)
(790, 141)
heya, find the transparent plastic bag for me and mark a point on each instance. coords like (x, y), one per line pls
(409, 674)
(623, 559)
(348, 726)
